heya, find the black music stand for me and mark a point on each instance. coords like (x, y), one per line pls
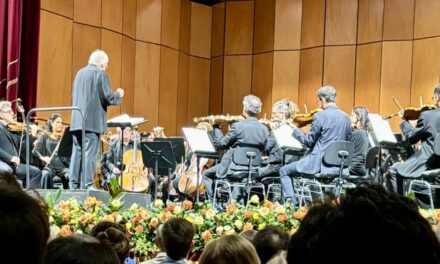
(65, 146)
(158, 155)
(178, 146)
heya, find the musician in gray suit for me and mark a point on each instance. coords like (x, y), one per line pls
(248, 132)
(328, 125)
(427, 128)
(92, 94)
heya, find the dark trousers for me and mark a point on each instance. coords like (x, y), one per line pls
(91, 152)
(49, 174)
(34, 175)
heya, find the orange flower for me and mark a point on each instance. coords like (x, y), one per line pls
(293, 230)
(268, 204)
(230, 208)
(187, 205)
(436, 215)
(283, 218)
(206, 235)
(65, 215)
(170, 207)
(154, 222)
(248, 226)
(65, 231)
(164, 216)
(89, 202)
(139, 229)
(298, 215)
(64, 204)
(203, 211)
(247, 214)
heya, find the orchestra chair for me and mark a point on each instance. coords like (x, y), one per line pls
(247, 161)
(338, 154)
(370, 166)
(427, 182)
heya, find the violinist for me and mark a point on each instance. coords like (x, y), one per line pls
(10, 149)
(328, 125)
(361, 127)
(46, 148)
(427, 128)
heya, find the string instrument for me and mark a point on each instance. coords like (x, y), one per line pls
(188, 179)
(219, 119)
(411, 113)
(134, 178)
(304, 119)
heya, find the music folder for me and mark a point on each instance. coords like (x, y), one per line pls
(381, 130)
(285, 139)
(125, 120)
(198, 140)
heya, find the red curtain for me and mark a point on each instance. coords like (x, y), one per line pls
(19, 37)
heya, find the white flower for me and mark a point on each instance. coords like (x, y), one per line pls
(134, 206)
(219, 230)
(238, 224)
(158, 203)
(116, 203)
(255, 199)
(177, 209)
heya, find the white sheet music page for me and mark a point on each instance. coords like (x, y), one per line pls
(198, 139)
(284, 138)
(381, 129)
(125, 118)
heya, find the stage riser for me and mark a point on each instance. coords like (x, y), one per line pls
(80, 195)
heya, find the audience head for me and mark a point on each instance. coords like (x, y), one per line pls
(177, 236)
(229, 249)
(269, 241)
(326, 95)
(249, 234)
(113, 235)
(371, 225)
(9, 179)
(359, 118)
(158, 239)
(251, 105)
(79, 249)
(24, 226)
(100, 59)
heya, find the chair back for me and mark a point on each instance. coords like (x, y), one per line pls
(338, 150)
(437, 145)
(240, 156)
(371, 159)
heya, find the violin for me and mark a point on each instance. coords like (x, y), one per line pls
(304, 119)
(412, 113)
(220, 119)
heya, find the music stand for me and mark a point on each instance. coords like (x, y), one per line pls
(65, 146)
(178, 146)
(158, 155)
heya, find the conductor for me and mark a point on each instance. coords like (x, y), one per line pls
(92, 94)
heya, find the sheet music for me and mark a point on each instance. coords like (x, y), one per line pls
(284, 138)
(381, 129)
(125, 118)
(198, 139)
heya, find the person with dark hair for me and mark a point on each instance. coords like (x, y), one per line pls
(249, 234)
(24, 227)
(427, 128)
(46, 148)
(361, 127)
(371, 225)
(177, 236)
(328, 125)
(159, 243)
(113, 235)
(79, 249)
(270, 241)
(7, 178)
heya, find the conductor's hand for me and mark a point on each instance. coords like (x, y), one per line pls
(116, 171)
(120, 91)
(15, 160)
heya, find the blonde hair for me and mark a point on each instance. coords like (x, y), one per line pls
(229, 249)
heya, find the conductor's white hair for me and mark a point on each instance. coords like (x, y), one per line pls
(4, 105)
(252, 105)
(98, 57)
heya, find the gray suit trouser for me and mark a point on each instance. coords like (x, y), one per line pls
(91, 151)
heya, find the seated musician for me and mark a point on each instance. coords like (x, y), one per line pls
(247, 132)
(46, 148)
(10, 148)
(427, 128)
(361, 127)
(328, 125)
(282, 111)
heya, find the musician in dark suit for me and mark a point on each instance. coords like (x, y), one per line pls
(92, 94)
(328, 125)
(248, 132)
(361, 127)
(9, 149)
(427, 128)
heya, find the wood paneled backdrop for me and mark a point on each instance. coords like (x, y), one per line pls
(177, 59)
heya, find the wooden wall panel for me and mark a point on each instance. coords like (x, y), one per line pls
(54, 83)
(185, 25)
(169, 73)
(148, 20)
(146, 91)
(395, 77)
(170, 23)
(264, 25)
(398, 20)
(262, 78)
(86, 39)
(182, 93)
(339, 65)
(129, 18)
(312, 26)
(87, 12)
(368, 65)
(237, 81)
(426, 22)
(341, 22)
(112, 12)
(201, 21)
(112, 45)
(239, 27)
(285, 75)
(370, 20)
(218, 29)
(216, 86)
(198, 91)
(288, 15)
(310, 77)
(64, 8)
(127, 75)
(425, 70)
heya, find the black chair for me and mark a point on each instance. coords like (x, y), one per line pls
(371, 169)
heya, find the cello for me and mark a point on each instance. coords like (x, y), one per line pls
(134, 178)
(188, 179)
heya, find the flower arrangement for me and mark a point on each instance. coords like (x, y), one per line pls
(71, 216)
